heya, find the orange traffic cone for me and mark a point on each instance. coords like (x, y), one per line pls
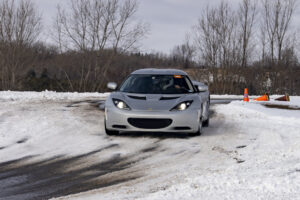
(263, 98)
(246, 95)
(284, 98)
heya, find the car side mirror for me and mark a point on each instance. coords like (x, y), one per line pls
(202, 88)
(112, 85)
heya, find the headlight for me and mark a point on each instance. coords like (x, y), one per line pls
(121, 104)
(182, 106)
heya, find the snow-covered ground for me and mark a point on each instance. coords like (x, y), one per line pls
(54, 145)
(269, 157)
(46, 95)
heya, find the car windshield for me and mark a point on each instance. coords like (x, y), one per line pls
(157, 84)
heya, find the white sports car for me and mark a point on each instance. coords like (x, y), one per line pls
(157, 100)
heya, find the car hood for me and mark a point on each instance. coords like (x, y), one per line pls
(151, 102)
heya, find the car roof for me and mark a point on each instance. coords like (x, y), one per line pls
(154, 71)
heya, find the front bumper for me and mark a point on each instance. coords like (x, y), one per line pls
(182, 121)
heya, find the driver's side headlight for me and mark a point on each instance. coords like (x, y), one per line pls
(121, 104)
(182, 106)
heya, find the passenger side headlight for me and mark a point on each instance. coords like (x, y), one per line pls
(121, 104)
(182, 106)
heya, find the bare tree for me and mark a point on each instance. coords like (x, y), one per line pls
(215, 36)
(184, 53)
(285, 16)
(207, 38)
(20, 26)
(270, 24)
(218, 40)
(97, 27)
(228, 32)
(247, 13)
(277, 20)
(263, 41)
(126, 34)
(98, 24)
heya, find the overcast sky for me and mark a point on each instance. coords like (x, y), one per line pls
(169, 19)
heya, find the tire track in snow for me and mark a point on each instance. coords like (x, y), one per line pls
(31, 177)
(55, 177)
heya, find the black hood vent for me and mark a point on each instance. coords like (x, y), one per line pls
(137, 97)
(168, 98)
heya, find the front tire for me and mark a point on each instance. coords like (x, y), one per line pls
(110, 132)
(199, 132)
(206, 123)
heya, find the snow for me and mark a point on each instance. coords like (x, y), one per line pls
(272, 159)
(250, 151)
(35, 116)
(46, 95)
(226, 96)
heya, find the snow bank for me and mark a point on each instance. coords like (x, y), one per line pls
(269, 163)
(226, 96)
(47, 95)
(272, 97)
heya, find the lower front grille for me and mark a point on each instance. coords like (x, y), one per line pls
(182, 128)
(149, 123)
